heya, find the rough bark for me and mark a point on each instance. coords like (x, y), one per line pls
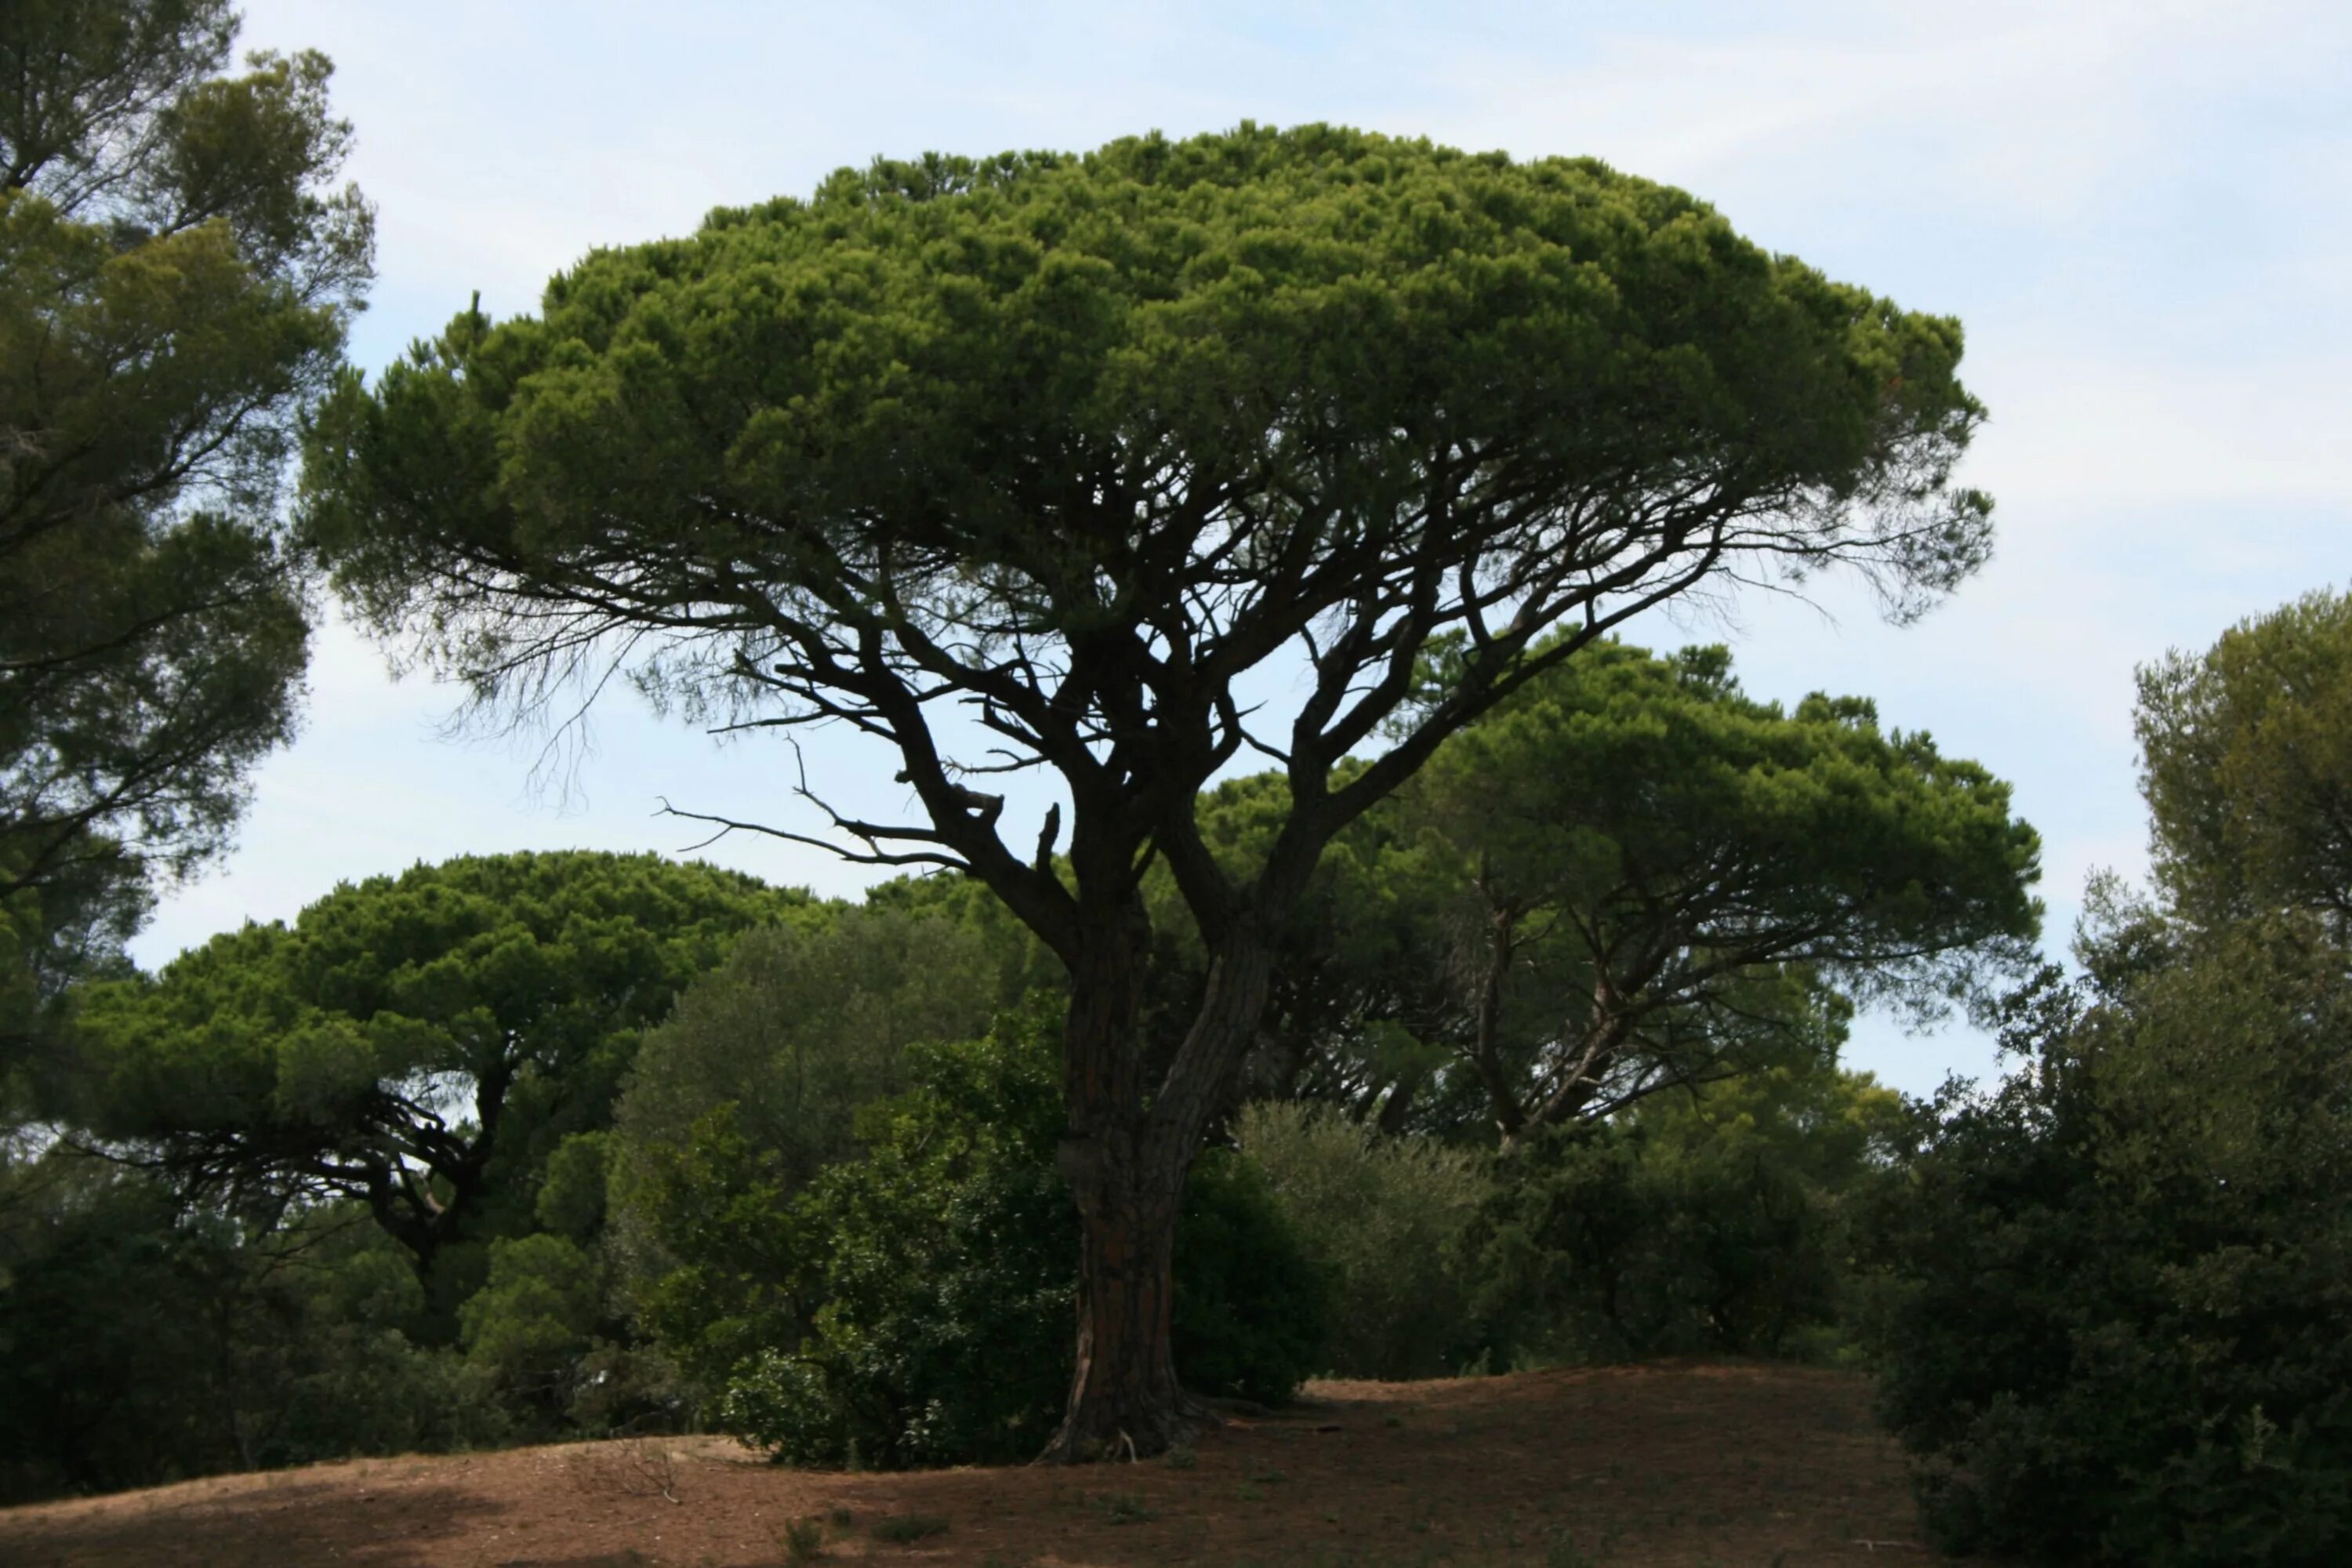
(1126, 1400)
(1126, 1156)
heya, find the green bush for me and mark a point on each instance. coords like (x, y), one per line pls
(804, 1022)
(1252, 1305)
(926, 1316)
(141, 1343)
(535, 1319)
(1705, 1224)
(2114, 1327)
(1386, 1217)
(543, 1334)
(915, 1305)
(730, 1246)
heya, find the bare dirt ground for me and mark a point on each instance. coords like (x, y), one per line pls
(1623, 1467)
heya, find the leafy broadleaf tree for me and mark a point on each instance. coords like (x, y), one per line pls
(801, 1026)
(1387, 1215)
(176, 274)
(804, 1024)
(419, 1044)
(2246, 761)
(1031, 462)
(2114, 1330)
(2112, 1326)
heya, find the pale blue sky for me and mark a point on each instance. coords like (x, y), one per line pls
(2142, 212)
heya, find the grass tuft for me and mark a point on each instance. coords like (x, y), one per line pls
(802, 1541)
(904, 1528)
(1124, 1508)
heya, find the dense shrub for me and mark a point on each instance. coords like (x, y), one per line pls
(914, 1305)
(730, 1253)
(141, 1343)
(535, 1319)
(804, 1022)
(2116, 1327)
(1253, 1305)
(546, 1331)
(1386, 1215)
(1705, 1224)
(927, 1313)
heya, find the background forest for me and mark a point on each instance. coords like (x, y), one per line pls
(527, 1146)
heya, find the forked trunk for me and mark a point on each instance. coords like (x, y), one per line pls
(1126, 1156)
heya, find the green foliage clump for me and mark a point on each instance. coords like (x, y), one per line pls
(912, 1305)
(800, 1025)
(934, 1277)
(545, 1335)
(2114, 1327)
(143, 1344)
(727, 1286)
(535, 1316)
(1714, 1224)
(284, 1065)
(177, 271)
(2246, 761)
(1387, 1216)
(1253, 1304)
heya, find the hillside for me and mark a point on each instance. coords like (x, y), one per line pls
(1682, 1464)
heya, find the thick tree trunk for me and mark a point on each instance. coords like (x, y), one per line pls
(1125, 1401)
(1126, 1156)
